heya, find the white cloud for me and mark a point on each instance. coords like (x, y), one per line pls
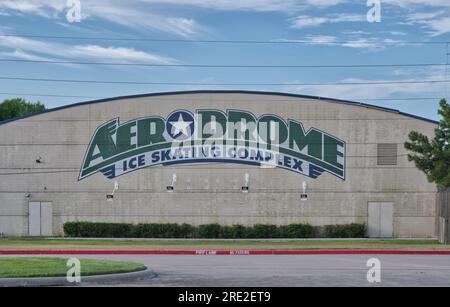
(304, 21)
(34, 7)
(182, 26)
(134, 17)
(20, 54)
(422, 3)
(370, 91)
(143, 14)
(287, 6)
(116, 53)
(370, 43)
(34, 50)
(436, 22)
(135, 14)
(438, 26)
(397, 33)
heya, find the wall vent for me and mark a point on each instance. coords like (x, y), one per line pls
(387, 154)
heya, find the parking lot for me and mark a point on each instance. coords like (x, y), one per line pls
(286, 270)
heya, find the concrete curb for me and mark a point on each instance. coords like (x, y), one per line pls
(225, 252)
(62, 281)
(236, 240)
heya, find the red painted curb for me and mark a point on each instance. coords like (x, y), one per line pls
(223, 252)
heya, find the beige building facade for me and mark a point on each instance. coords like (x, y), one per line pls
(227, 157)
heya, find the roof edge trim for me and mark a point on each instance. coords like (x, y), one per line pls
(370, 106)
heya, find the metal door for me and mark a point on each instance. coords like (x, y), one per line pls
(380, 219)
(40, 219)
(34, 219)
(46, 219)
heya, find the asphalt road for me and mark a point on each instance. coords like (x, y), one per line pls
(297, 271)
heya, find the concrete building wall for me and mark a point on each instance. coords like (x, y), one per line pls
(211, 193)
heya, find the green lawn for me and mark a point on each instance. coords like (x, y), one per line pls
(56, 267)
(12, 243)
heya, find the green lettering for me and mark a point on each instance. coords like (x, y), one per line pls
(313, 139)
(150, 131)
(331, 152)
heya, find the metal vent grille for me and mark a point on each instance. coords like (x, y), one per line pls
(387, 154)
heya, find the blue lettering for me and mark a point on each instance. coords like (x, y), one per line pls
(141, 160)
(287, 161)
(132, 163)
(165, 155)
(297, 165)
(155, 157)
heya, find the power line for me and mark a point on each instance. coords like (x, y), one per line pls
(275, 41)
(220, 84)
(51, 95)
(223, 65)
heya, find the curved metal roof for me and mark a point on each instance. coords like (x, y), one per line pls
(333, 100)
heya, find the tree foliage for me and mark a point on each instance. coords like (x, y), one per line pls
(16, 107)
(433, 156)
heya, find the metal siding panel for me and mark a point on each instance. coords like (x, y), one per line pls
(386, 220)
(373, 227)
(46, 219)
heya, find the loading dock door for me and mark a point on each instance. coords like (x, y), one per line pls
(40, 219)
(380, 219)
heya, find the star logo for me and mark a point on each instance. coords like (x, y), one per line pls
(180, 125)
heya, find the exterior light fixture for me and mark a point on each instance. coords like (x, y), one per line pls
(304, 196)
(245, 187)
(170, 188)
(110, 197)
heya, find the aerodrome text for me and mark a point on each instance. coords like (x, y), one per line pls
(213, 136)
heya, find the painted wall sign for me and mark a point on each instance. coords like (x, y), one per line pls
(208, 136)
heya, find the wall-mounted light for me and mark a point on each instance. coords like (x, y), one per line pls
(110, 197)
(171, 187)
(304, 196)
(246, 187)
(28, 195)
(39, 160)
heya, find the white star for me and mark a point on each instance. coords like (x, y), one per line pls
(180, 126)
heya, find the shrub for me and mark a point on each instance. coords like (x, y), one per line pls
(148, 231)
(264, 231)
(234, 232)
(166, 230)
(297, 231)
(97, 230)
(210, 231)
(345, 231)
(186, 231)
(71, 229)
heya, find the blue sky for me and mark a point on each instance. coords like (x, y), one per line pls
(318, 24)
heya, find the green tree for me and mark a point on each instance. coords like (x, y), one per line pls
(433, 156)
(16, 107)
